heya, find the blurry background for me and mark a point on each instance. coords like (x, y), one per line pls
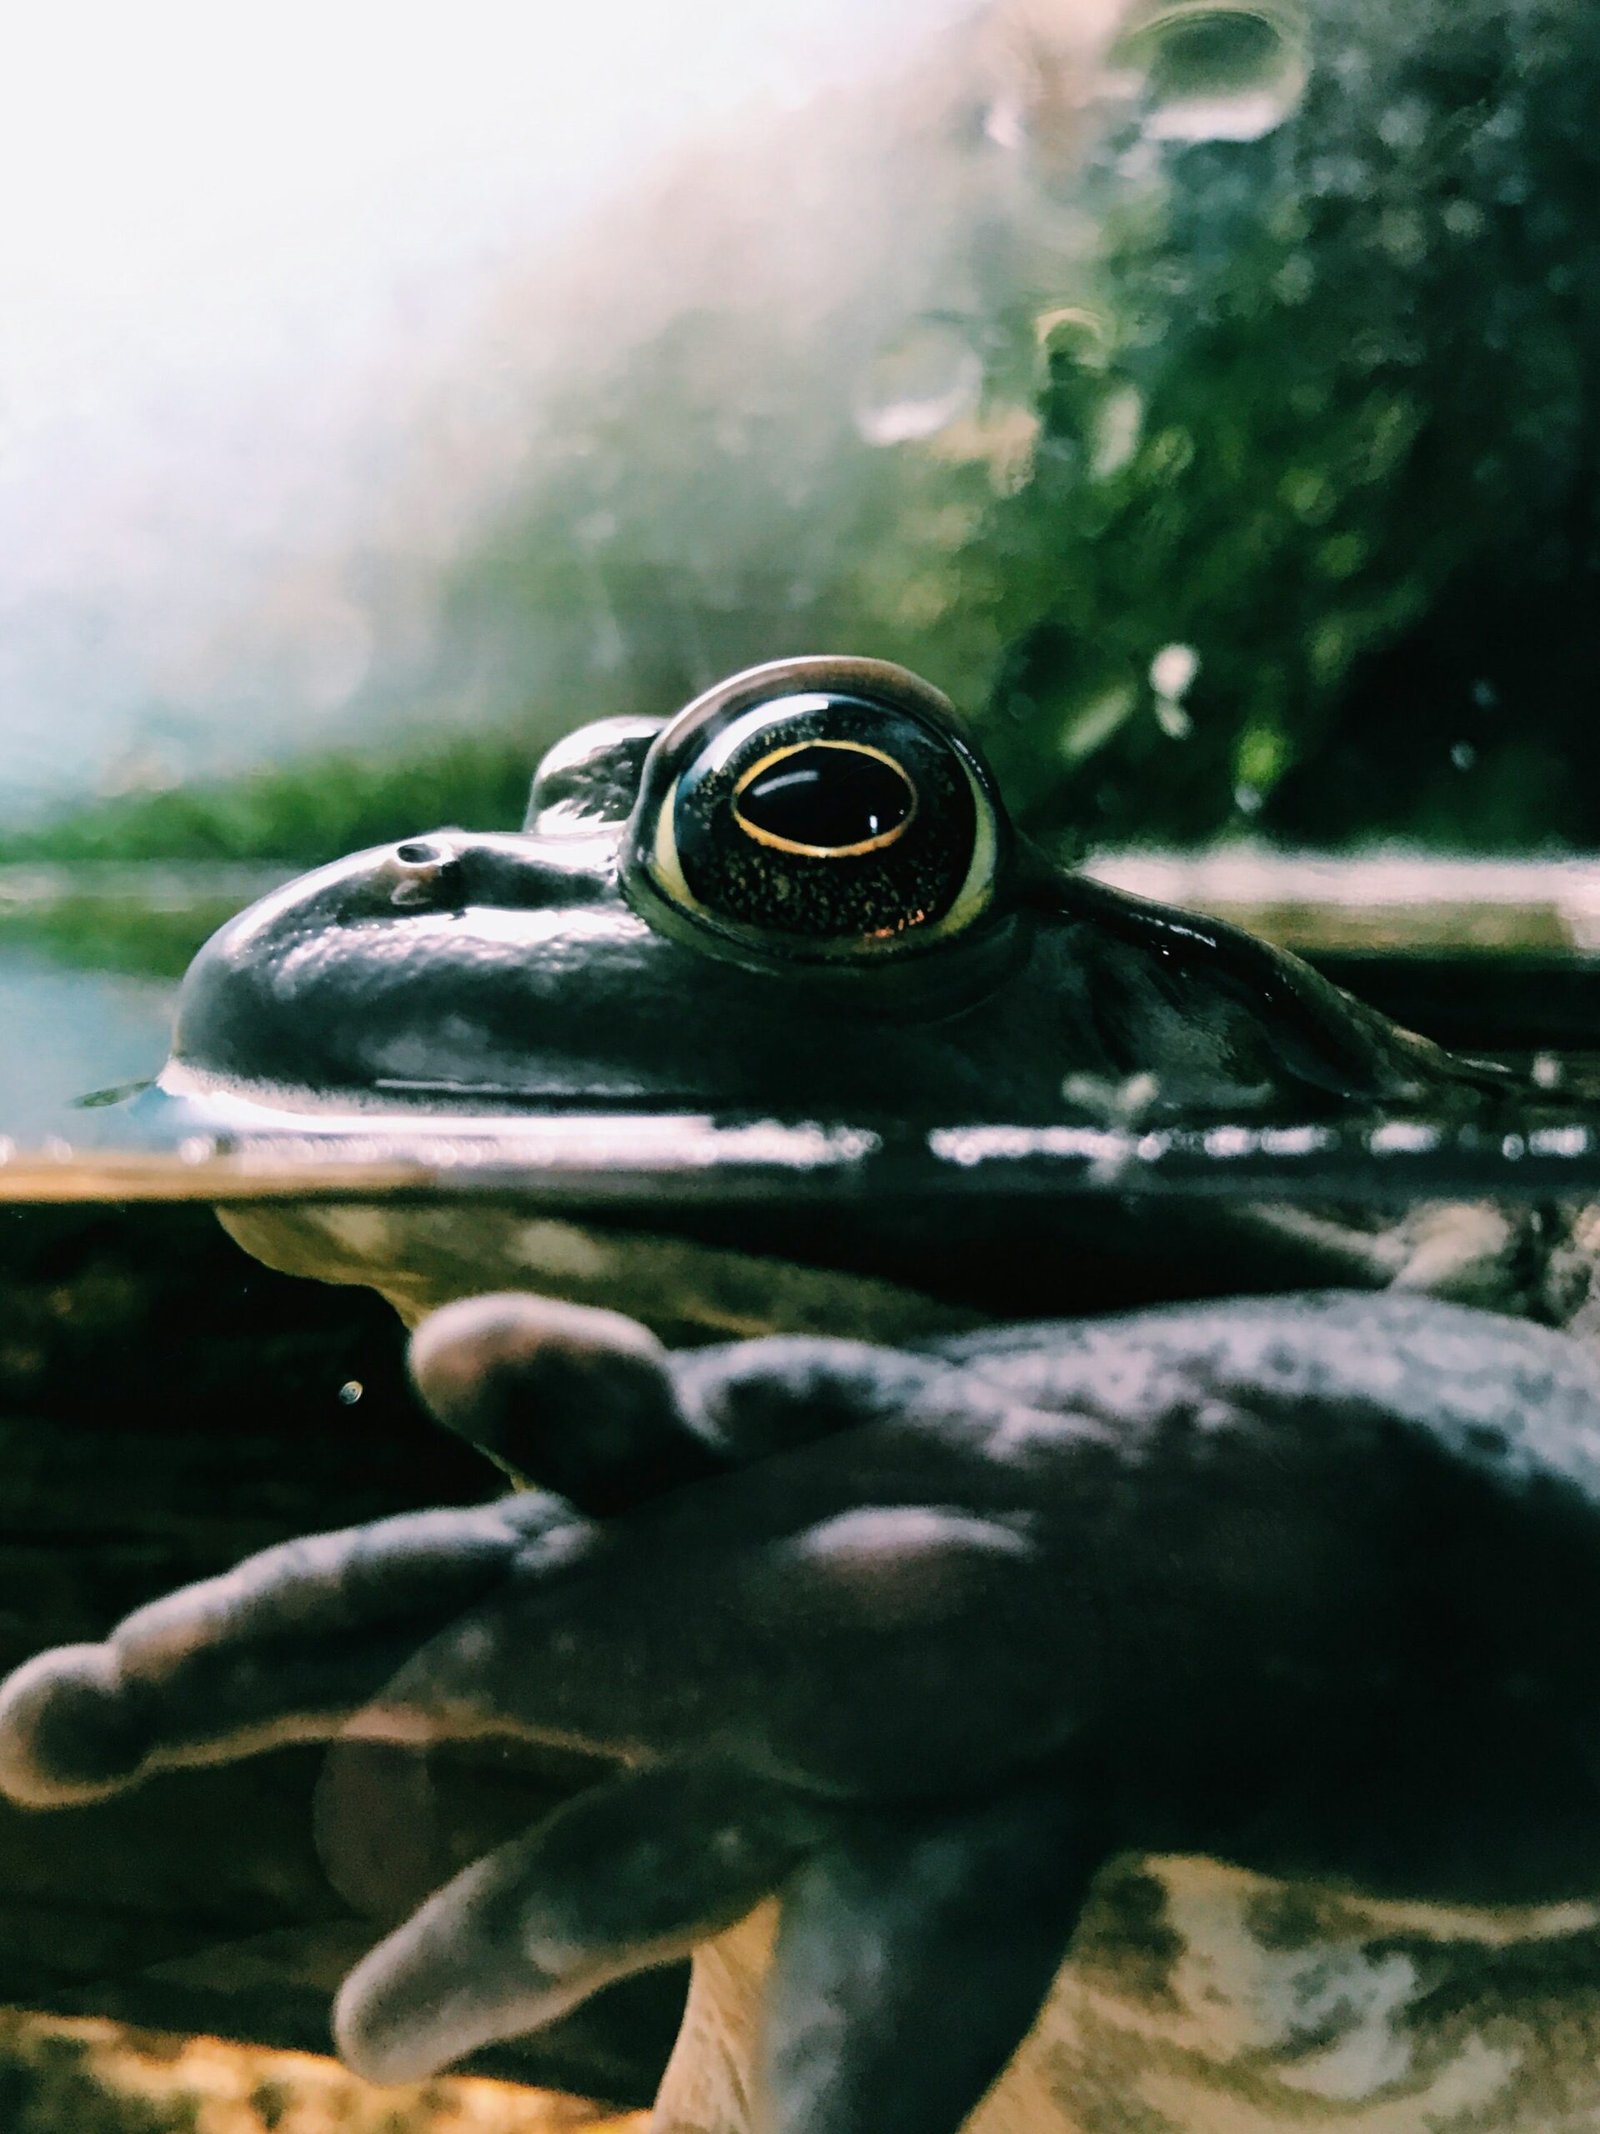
(1202, 391)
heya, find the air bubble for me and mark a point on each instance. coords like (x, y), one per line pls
(350, 1392)
(919, 384)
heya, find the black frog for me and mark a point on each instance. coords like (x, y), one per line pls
(799, 899)
(923, 1634)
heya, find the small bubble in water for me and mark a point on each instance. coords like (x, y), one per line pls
(1485, 695)
(1548, 1071)
(1463, 755)
(919, 384)
(351, 1391)
(1247, 799)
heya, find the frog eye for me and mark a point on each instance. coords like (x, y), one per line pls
(820, 822)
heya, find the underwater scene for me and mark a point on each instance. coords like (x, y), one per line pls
(800, 1069)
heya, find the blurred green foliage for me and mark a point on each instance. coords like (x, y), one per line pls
(1365, 351)
(118, 931)
(299, 813)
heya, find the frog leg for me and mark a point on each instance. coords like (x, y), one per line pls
(913, 1954)
(706, 1617)
(284, 1647)
(1470, 1252)
(914, 1950)
(589, 1404)
(573, 1399)
(633, 1873)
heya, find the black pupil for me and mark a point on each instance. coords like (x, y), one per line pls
(830, 798)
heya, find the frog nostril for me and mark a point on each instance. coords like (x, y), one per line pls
(423, 874)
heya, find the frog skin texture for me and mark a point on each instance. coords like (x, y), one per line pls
(884, 946)
(1248, 1647)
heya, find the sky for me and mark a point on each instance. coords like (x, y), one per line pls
(234, 239)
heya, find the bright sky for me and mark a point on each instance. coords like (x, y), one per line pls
(159, 163)
(209, 211)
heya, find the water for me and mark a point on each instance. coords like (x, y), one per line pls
(66, 1033)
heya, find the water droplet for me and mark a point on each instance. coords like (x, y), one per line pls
(1118, 423)
(1549, 1070)
(1173, 720)
(1247, 799)
(919, 384)
(1217, 70)
(1463, 755)
(1095, 720)
(1071, 333)
(1004, 124)
(351, 1391)
(1173, 670)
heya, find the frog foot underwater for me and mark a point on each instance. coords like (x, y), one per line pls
(1203, 1999)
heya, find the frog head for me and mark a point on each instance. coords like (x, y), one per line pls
(800, 900)
(801, 895)
(803, 892)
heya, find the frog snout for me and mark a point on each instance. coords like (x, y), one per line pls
(454, 870)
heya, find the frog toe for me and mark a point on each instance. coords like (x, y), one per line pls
(631, 1874)
(912, 1958)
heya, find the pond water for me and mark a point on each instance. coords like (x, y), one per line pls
(65, 1034)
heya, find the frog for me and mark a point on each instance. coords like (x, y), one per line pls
(801, 898)
(906, 1665)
